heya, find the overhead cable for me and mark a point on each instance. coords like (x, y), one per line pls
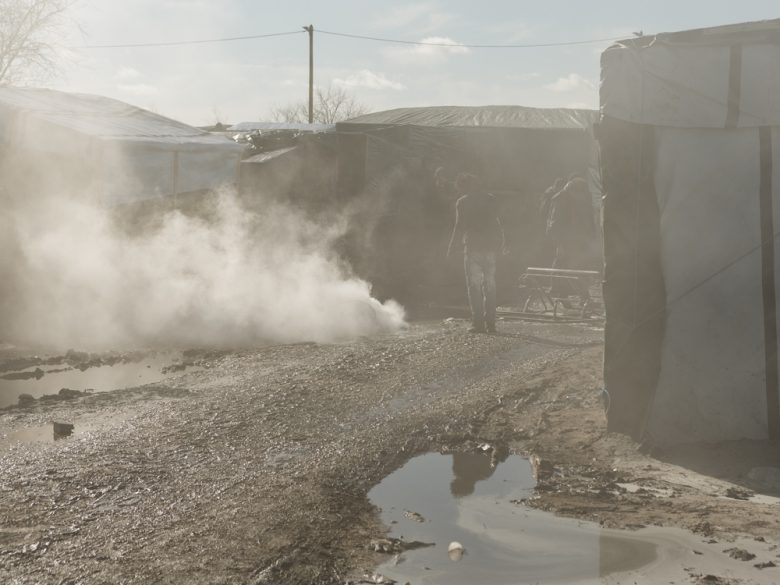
(350, 36)
(469, 46)
(198, 42)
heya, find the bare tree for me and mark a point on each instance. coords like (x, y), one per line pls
(27, 30)
(331, 104)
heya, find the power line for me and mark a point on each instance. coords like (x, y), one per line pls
(197, 42)
(468, 46)
(349, 36)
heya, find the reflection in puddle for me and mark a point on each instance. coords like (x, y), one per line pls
(466, 499)
(48, 380)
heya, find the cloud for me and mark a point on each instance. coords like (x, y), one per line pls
(435, 50)
(141, 89)
(422, 17)
(522, 76)
(440, 46)
(127, 73)
(370, 80)
(571, 82)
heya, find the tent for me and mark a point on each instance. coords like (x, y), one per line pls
(388, 160)
(690, 147)
(116, 152)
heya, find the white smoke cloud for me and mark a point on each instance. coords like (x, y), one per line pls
(235, 278)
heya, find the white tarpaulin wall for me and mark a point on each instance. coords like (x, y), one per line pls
(124, 153)
(707, 107)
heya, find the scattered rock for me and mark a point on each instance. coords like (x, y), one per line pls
(704, 528)
(739, 493)
(62, 430)
(396, 545)
(713, 580)
(26, 399)
(416, 516)
(67, 393)
(542, 468)
(377, 579)
(764, 565)
(176, 367)
(740, 554)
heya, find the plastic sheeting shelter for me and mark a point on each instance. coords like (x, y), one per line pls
(388, 160)
(690, 147)
(116, 152)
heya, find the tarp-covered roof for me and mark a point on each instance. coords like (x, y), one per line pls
(757, 31)
(478, 116)
(97, 117)
(705, 78)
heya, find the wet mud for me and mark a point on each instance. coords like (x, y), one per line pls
(262, 466)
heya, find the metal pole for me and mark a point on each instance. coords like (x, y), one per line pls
(310, 30)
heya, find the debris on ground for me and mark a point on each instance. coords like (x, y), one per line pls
(396, 545)
(740, 554)
(416, 516)
(739, 493)
(62, 430)
(455, 551)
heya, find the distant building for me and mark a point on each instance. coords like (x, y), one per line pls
(387, 161)
(104, 149)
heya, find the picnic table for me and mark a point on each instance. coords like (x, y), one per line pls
(556, 289)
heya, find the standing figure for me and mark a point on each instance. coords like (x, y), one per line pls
(570, 225)
(478, 227)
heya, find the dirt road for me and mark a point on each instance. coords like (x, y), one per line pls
(256, 469)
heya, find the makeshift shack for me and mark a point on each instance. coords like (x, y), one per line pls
(105, 149)
(401, 165)
(292, 163)
(690, 146)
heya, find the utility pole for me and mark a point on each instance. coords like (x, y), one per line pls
(310, 29)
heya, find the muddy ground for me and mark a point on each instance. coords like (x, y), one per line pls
(255, 469)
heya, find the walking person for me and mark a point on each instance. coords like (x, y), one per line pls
(478, 228)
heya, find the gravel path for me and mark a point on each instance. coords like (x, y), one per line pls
(256, 469)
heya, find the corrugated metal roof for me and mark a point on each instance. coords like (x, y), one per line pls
(100, 117)
(253, 126)
(478, 116)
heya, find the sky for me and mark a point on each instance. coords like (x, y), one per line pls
(245, 80)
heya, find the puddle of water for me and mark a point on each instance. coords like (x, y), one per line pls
(461, 498)
(46, 433)
(98, 379)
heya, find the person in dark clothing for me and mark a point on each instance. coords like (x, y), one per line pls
(546, 202)
(544, 246)
(570, 225)
(478, 228)
(571, 228)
